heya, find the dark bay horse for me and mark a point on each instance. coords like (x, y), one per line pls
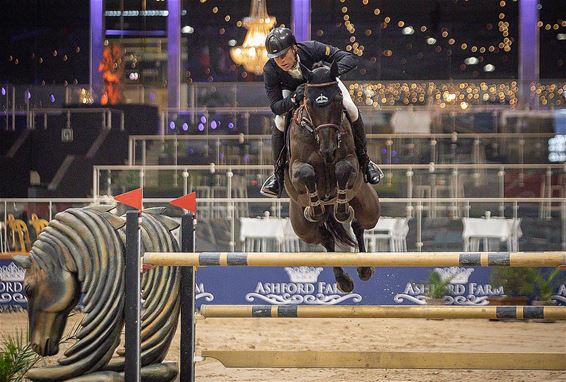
(323, 178)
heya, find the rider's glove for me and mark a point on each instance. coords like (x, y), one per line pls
(299, 94)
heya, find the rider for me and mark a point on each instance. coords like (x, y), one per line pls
(284, 85)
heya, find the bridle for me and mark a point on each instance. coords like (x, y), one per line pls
(306, 120)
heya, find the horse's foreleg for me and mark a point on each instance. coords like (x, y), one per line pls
(343, 280)
(305, 176)
(345, 173)
(364, 273)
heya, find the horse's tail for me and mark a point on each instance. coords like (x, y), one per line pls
(338, 232)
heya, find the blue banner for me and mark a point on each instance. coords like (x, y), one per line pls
(309, 285)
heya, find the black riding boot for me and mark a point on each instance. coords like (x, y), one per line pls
(271, 187)
(372, 173)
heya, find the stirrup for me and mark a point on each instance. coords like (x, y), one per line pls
(270, 187)
(368, 168)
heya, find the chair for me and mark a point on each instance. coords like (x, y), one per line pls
(19, 228)
(204, 192)
(487, 231)
(389, 235)
(38, 224)
(559, 190)
(3, 238)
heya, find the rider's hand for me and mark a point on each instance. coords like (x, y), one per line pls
(299, 94)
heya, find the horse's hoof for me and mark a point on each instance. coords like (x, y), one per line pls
(344, 283)
(365, 273)
(346, 218)
(313, 219)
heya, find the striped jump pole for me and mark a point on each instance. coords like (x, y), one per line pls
(384, 311)
(349, 259)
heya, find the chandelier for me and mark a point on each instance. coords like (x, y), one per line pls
(252, 53)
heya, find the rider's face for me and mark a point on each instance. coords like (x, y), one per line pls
(287, 60)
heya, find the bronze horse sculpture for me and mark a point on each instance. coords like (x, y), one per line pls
(81, 254)
(323, 178)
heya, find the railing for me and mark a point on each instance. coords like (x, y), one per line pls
(423, 227)
(255, 149)
(385, 95)
(401, 180)
(38, 117)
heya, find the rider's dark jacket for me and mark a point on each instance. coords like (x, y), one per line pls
(310, 52)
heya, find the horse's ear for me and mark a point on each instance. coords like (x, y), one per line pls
(334, 69)
(22, 261)
(307, 74)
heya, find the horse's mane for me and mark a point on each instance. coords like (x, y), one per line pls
(87, 242)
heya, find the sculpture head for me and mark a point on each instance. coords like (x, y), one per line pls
(51, 292)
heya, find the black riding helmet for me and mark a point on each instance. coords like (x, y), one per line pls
(278, 41)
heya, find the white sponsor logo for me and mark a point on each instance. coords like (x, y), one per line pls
(12, 272)
(561, 295)
(303, 288)
(201, 293)
(461, 292)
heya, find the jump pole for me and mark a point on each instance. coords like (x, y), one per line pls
(384, 311)
(349, 259)
(388, 360)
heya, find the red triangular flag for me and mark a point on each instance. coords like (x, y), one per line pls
(188, 202)
(132, 198)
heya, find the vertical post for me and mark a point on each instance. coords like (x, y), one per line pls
(187, 358)
(528, 51)
(97, 34)
(231, 210)
(174, 54)
(409, 207)
(7, 106)
(132, 298)
(501, 174)
(301, 19)
(419, 225)
(6, 225)
(13, 108)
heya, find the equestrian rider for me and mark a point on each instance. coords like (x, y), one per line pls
(284, 85)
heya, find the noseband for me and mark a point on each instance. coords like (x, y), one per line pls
(306, 120)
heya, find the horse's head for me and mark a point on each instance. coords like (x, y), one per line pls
(323, 105)
(51, 292)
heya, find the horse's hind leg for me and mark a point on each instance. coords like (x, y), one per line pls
(343, 280)
(304, 176)
(364, 273)
(345, 172)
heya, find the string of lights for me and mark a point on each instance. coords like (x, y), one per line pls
(357, 48)
(452, 94)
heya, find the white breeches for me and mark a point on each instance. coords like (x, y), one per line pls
(349, 105)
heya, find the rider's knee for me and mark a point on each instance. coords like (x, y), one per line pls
(347, 102)
(352, 111)
(279, 121)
